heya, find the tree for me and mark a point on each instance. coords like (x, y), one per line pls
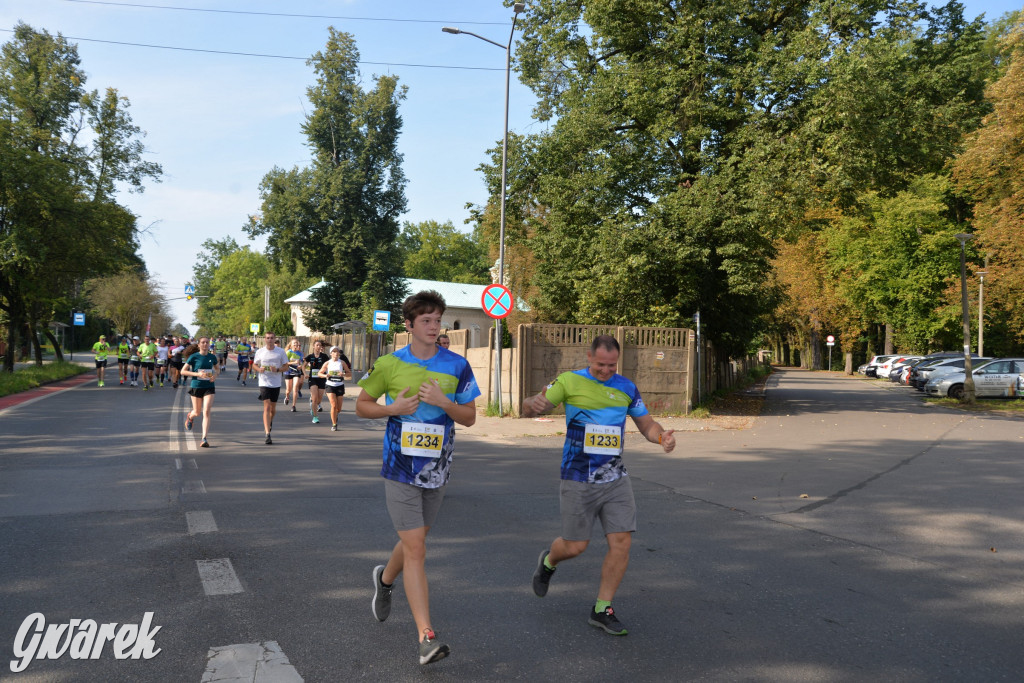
(436, 251)
(688, 138)
(338, 217)
(129, 301)
(236, 292)
(991, 171)
(63, 153)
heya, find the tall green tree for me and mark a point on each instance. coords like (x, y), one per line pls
(236, 290)
(991, 171)
(437, 251)
(688, 137)
(64, 152)
(338, 217)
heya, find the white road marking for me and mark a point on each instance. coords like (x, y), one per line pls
(177, 462)
(200, 522)
(218, 577)
(180, 407)
(193, 487)
(249, 663)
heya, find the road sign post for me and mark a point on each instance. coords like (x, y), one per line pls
(497, 303)
(77, 320)
(381, 323)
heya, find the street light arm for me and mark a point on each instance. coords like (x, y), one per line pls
(457, 31)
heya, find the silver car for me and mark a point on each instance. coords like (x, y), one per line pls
(997, 378)
(946, 366)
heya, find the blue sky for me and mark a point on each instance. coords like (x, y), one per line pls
(218, 122)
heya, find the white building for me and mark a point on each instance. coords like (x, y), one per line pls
(465, 306)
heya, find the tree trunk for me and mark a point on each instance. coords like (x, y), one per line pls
(848, 369)
(786, 353)
(37, 348)
(12, 346)
(888, 339)
(815, 343)
(57, 352)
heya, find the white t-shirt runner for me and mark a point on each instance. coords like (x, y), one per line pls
(274, 362)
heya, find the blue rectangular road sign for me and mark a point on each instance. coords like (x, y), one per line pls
(78, 319)
(381, 320)
(190, 290)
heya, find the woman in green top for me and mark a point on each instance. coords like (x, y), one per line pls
(201, 367)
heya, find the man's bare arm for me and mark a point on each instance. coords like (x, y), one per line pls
(537, 405)
(655, 433)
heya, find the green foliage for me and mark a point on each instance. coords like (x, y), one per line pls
(235, 286)
(128, 300)
(63, 153)
(338, 217)
(897, 260)
(687, 138)
(436, 251)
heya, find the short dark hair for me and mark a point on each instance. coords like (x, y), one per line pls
(606, 342)
(427, 301)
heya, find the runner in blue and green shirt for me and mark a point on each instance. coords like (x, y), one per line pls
(595, 484)
(426, 390)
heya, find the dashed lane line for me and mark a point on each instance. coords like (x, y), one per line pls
(218, 577)
(249, 663)
(200, 522)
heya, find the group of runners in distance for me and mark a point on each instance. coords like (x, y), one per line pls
(427, 389)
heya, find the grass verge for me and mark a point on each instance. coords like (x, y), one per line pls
(34, 376)
(981, 405)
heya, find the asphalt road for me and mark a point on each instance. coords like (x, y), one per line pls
(854, 534)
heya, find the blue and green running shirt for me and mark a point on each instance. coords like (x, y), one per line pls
(418, 447)
(595, 419)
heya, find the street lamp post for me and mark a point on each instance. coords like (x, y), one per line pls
(517, 8)
(968, 396)
(981, 308)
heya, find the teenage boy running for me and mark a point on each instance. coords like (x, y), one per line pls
(427, 390)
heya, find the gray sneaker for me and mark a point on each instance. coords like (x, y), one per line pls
(542, 576)
(432, 649)
(381, 604)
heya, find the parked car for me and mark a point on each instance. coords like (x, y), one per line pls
(929, 361)
(897, 365)
(943, 367)
(873, 364)
(901, 373)
(995, 378)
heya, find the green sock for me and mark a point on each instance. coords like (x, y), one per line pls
(601, 604)
(548, 564)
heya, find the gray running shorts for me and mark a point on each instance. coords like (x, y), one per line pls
(582, 504)
(412, 507)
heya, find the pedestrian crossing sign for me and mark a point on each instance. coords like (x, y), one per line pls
(254, 328)
(190, 290)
